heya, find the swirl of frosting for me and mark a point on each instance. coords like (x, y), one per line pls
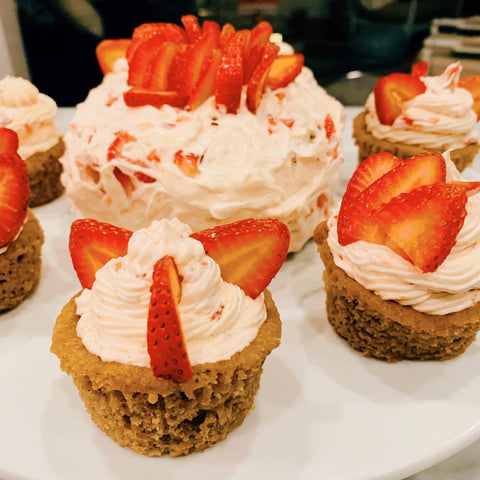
(451, 288)
(440, 118)
(17, 92)
(217, 318)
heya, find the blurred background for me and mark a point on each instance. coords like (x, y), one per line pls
(348, 44)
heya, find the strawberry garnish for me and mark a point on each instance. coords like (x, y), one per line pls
(392, 91)
(109, 51)
(226, 33)
(228, 81)
(187, 163)
(92, 244)
(159, 67)
(165, 341)
(192, 28)
(249, 252)
(420, 69)
(138, 97)
(8, 140)
(115, 149)
(329, 126)
(256, 84)
(472, 84)
(14, 194)
(212, 28)
(284, 70)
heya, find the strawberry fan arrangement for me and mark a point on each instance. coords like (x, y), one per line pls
(183, 67)
(249, 253)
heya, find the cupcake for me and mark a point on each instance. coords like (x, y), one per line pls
(205, 125)
(410, 114)
(401, 274)
(166, 343)
(21, 236)
(31, 115)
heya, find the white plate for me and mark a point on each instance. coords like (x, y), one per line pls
(322, 411)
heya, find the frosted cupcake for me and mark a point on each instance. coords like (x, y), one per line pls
(31, 115)
(409, 114)
(165, 352)
(400, 254)
(255, 136)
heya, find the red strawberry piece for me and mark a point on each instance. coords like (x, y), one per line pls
(228, 81)
(256, 84)
(8, 140)
(284, 70)
(420, 69)
(392, 91)
(472, 84)
(422, 225)
(192, 28)
(159, 67)
(121, 139)
(249, 252)
(226, 34)
(205, 87)
(212, 28)
(125, 181)
(110, 50)
(259, 37)
(261, 33)
(165, 340)
(138, 97)
(166, 31)
(329, 126)
(187, 163)
(14, 194)
(92, 244)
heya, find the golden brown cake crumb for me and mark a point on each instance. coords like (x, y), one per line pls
(154, 416)
(384, 329)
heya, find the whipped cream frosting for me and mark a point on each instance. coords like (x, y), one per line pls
(454, 286)
(440, 118)
(30, 113)
(218, 319)
(277, 163)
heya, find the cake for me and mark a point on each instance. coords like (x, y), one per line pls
(31, 115)
(401, 274)
(165, 351)
(231, 145)
(409, 114)
(21, 236)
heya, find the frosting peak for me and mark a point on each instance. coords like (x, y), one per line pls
(17, 92)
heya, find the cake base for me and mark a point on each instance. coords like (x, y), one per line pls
(154, 416)
(384, 329)
(20, 265)
(368, 145)
(44, 170)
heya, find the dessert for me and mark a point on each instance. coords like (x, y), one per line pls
(207, 125)
(166, 351)
(400, 253)
(31, 115)
(409, 114)
(21, 236)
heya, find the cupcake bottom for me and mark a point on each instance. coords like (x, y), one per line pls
(20, 265)
(368, 145)
(44, 170)
(154, 416)
(384, 329)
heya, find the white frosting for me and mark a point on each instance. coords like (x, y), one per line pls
(217, 318)
(440, 118)
(252, 165)
(30, 113)
(454, 286)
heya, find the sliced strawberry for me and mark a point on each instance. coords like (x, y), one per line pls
(187, 163)
(122, 137)
(14, 194)
(192, 28)
(92, 244)
(159, 67)
(228, 81)
(259, 37)
(205, 87)
(329, 126)
(165, 341)
(109, 51)
(256, 84)
(212, 28)
(472, 84)
(8, 140)
(199, 56)
(125, 181)
(284, 70)
(422, 225)
(226, 34)
(249, 252)
(392, 91)
(261, 33)
(420, 69)
(138, 97)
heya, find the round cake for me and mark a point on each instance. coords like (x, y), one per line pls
(209, 163)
